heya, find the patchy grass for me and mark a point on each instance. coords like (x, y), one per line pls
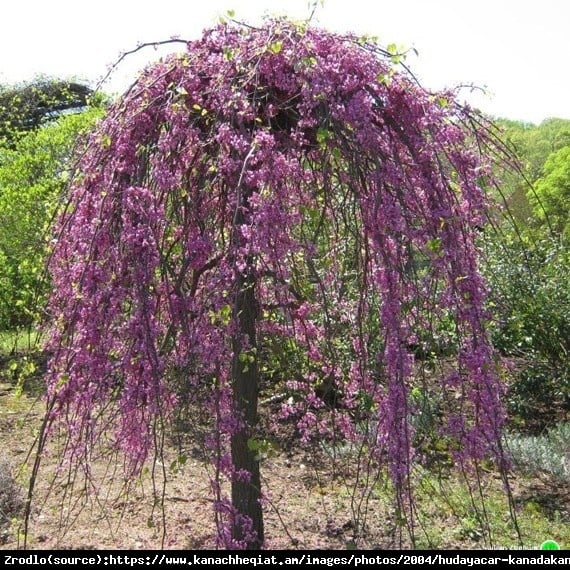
(315, 500)
(472, 511)
(450, 514)
(17, 341)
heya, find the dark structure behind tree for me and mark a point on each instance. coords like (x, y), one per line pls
(27, 106)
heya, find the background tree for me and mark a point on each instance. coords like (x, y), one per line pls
(273, 186)
(551, 200)
(532, 144)
(27, 106)
(34, 170)
(530, 300)
(526, 266)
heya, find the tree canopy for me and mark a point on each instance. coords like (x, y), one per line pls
(552, 197)
(33, 175)
(532, 144)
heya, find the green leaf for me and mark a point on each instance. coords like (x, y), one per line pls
(262, 448)
(309, 61)
(434, 245)
(253, 444)
(178, 463)
(276, 47)
(397, 53)
(62, 380)
(222, 317)
(383, 78)
(323, 135)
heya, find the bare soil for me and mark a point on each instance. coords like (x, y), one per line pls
(312, 501)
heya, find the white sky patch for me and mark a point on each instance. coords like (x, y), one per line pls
(518, 50)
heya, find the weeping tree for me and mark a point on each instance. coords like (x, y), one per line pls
(273, 186)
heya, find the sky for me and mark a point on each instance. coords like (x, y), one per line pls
(516, 52)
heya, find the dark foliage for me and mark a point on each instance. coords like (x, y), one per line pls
(25, 107)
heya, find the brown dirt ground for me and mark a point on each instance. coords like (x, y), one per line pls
(310, 505)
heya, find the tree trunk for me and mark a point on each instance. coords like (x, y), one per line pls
(246, 494)
(246, 491)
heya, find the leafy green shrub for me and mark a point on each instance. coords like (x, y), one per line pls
(33, 173)
(530, 300)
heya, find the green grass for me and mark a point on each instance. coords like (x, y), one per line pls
(18, 341)
(451, 516)
(473, 512)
